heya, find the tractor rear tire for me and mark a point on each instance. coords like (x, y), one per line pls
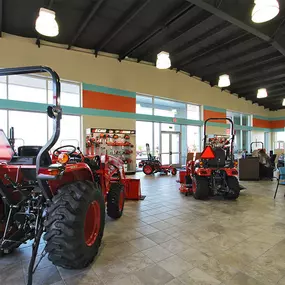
(116, 200)
(75, 225)
(234, 186)
(200, 188)
(148, 169)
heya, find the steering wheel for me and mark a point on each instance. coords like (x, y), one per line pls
(58, 151)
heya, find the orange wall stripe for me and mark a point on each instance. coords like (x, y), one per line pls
(212, 114)
(103, 101)
(259, 123)
(278, 124)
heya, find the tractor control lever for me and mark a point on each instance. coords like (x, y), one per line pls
(8, 178)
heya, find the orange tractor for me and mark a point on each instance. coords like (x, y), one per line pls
(62, 196)
(215, 173)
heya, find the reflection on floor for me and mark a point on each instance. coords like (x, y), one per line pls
(172, 239)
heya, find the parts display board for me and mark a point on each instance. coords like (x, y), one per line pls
(118, 143)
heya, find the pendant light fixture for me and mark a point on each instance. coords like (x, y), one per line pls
(262, 93)
(264, 10)
(46, 24)
(224, 81)
(283, 103)
(163, 60)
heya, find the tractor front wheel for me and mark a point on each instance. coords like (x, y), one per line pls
(174, 171)
(200, 188)
(147, 169)
(116, 201)
(75, 225)
(234, 188)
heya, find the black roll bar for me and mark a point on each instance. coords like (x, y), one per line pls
(55, 112)
(256, 144)
(220, 119)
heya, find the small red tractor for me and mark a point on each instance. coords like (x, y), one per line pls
(152, 165)
(215, 173)
(63, 196)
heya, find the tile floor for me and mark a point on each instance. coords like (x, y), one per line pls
(170, 239)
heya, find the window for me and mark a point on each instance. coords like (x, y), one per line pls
(245, 120)
(3, 87)
(170, 128)
(70, 94)
(280, 136)
(35, 128)
(70, 131)
(144, 135)
(144, 105)
(167, 108)
(193, 138)
(31, 129)
(3, 121)
(27, 88)
(193, 112)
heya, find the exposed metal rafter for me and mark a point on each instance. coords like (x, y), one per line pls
(1, 17)
(157, 31)
(93, 11)
(232, 60)
(126, 19)
(259, 84)
(224, 45)
(227, 16)
(189, 44)
(262, 71)
(203, 16)
(247, 66)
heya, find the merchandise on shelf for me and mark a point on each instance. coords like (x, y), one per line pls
(118, 143)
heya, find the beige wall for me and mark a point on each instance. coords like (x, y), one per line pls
(107, 122)
(84, 67)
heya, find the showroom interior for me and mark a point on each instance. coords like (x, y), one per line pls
(133, 102)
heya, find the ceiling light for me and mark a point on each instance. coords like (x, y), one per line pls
(264, 10)
(262, 93)
(163, 60)
(283, 103)
(46, 23)
(224, 81)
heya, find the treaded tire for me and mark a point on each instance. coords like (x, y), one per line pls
(174, 171)
(146, 169)
(65, 225)
(234, 186)
(200, 188)
(116, 193)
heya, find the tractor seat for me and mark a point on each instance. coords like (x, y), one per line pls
(27, 156)
(219, 160)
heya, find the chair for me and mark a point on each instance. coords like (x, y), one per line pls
(280, 177)
(219, 160)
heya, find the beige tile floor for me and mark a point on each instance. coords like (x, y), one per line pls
(170, 239)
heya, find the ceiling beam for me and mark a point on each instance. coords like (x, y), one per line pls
(1, 17)
(224, 44)
(260, 84)
(125, 20)
(233, 60)
(247, 66)
(258, 72)
(201, 17)
(174, 18)
(227, 16)
(93, 11)
(188, 45)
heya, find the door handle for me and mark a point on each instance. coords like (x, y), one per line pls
(170, 152)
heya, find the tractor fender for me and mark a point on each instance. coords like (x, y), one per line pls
(231, 171)
(72, 173)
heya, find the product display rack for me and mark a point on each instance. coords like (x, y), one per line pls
(118, 143)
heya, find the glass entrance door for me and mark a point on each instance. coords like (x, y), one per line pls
(170, 148)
